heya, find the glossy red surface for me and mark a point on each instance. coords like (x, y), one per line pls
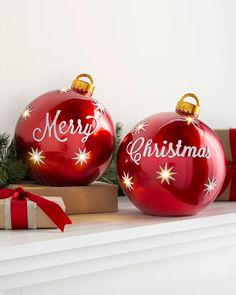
(65, 138)
(190, 151)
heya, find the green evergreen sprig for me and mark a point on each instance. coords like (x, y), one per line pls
(12, 169)
(110, 175)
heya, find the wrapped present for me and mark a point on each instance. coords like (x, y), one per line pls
(228, 139)
(98, 197)
(20, 209)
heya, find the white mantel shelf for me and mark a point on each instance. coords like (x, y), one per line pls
(145, 253)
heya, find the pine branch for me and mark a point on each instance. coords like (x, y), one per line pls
(11, 151)
(4, 142)
(12, 168)
(110, 175)
(15, 170)
(3, 177)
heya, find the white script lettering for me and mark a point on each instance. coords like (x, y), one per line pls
(139, 148)
(56, 130)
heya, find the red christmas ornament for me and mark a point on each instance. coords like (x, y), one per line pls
(65, 136)
(172, 163)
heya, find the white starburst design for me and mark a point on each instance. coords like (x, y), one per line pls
(82, 157)
(36, 156)
(99, 107)
(127, 180)
(165, 174)
(63, 90)
(26, 113)
(210, 185)
(190, 120)
(140, 127)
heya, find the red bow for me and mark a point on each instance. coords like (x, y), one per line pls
(19, 217)
(230, 177)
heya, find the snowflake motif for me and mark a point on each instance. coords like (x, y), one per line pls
(99, 108)
(165, 174)
(26, 113)
(36, 156)
(210, 185)
(127, 181)
(190, 120)
(81, 157)
(140, 127)
(64, 90)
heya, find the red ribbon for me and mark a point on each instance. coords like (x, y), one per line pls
(19, 217)
(230, 177)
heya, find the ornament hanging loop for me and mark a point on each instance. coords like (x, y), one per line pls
(83, 87)
(188, 107)
(85, 76)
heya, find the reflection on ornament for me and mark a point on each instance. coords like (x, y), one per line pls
(100, 108)
(82, 157)
(210, 185)
(36, 156)
(140, 127)
(190, 120)
(127, 180)
(64, 90)
(165, 174)
(26, 113)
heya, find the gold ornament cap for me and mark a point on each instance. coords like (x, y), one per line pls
(188, 107)
(83, 87)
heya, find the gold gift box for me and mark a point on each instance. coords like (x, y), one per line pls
(98, 197)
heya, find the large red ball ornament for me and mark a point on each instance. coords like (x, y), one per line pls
(65, 136)
(172, 164)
